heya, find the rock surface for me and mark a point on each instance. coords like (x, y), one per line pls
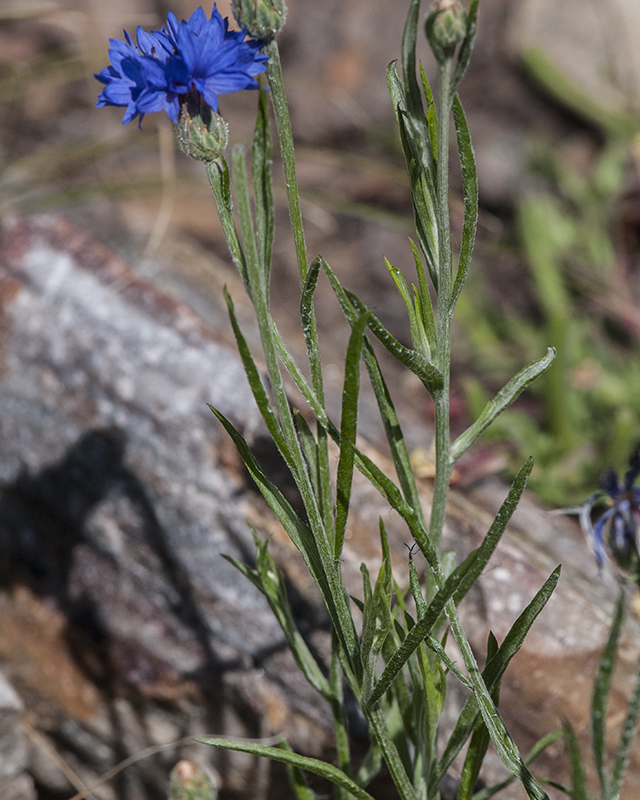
(15, 783)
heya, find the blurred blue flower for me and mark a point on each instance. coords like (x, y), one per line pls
(615, 531)
(185, 63)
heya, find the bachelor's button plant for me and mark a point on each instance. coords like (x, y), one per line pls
(395, 662)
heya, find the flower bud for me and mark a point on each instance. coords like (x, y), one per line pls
(202, 136)
(262, 18)
(189, 782)
(445, 27)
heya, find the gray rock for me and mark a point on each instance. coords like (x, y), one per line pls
(15, 784)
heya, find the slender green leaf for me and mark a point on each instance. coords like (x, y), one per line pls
(426, 306)
(464, 54)
(343, 745)
(418, 333)
(439, 650)
(268, 580)
(578, 775)
(348, 429)
(416, 591)
(246, 222)
(535, 751)
(393, 431)
(504, 398)
(470, 193)
(262, 182)
(432, 116)
(310, 447)
(494, 534)
(420, 630)
(313, 765)
(220, 181)
(308, 320)
(409, 39)
(621, 760)
(391, 493)
(370, 766)
(255, 382)
(428, 374)
(480, 739)
(601, 693)
(491, 674)
(380, 731)
(423, 197)
(297, 780)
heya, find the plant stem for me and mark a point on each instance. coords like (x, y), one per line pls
(443, 348)
(285, 135)
(218, 175)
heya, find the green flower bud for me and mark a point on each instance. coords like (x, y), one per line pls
(445, 27)
(262, 18)
(189, 782)
(202, 135)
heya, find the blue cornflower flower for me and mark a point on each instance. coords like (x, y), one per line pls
(615, 531)
(188, 63)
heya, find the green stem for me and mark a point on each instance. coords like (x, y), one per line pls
(285, 135)
(443, 348)
(339, 718)
(379, 729)
(218, 175)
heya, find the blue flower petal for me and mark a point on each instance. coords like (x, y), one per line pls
(596, 539)
(199, 56)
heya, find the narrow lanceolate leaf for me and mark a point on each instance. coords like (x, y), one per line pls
(313, 765)
(297, 780)
(470, 193)
(416, 590)
(258, 284)
(418, 333)
(426, 307)
(307, 319)
(464, 54)
(491, 674)
(268, 580)
(432, 116)
(409, 40)
(255, 382)
(504, 398)
(299, 533)
(428, 374)
(579, 778)
(627, 735)
(415, 139)
(420, 631)
(422, 194)
(391, 493)
(539, 747)
(348, 429)
(494, 534)
(479, 740)
(220, 181)
(393, 432)
(601, 693)
(262, 183)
